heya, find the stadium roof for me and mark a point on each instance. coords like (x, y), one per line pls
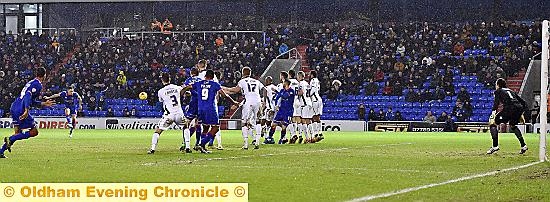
(82, 1)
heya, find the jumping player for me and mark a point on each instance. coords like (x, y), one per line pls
(317, 106)
(251, 89)
(208, 107)
(73, 104)
(202, 65)
(21, 119)
(285, 101)
(169, 96)
(191, 114)
(512, 113)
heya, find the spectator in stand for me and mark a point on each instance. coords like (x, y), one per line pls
(398, 116)
(156, 25)
(412, 96)
(361, 112)
(371, 88)
(334, 90)
(110, 112)
(439, 94)
(372, 115)
(397, 88)
(121, 79)
(167, 25)
(389, 114)
(388, 89)
(133, 113)
(468, 110)
(126, 112)
(459, 112)
(426, 96)
(381, 115)
(463, 95)
(429, 118)
(458, 49)
(449, 124)
(401, 50)
(443, 117)
(379, 75)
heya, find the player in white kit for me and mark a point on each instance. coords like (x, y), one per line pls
(296, 121)
(317, 106)
(306, 110)
(251, 90)
(169, 96)
(268, 110)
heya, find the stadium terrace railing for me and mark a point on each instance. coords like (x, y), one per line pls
(120, 32)
(50, 31)
(292, 54)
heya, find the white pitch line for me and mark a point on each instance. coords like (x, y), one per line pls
(388, 194)
(323, 168)
(279, 154)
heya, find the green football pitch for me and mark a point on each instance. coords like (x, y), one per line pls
(345, 166)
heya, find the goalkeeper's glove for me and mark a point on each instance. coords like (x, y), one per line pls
(522, 119)
(492, 118)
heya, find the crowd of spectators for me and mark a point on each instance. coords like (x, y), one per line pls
(396, 59)
(21, 53)
(407, 54)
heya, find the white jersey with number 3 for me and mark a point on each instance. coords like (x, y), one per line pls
(169, 96)
(251, 89)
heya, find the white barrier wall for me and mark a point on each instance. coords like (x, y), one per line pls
(151, 124)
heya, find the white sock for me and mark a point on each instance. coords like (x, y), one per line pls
(154, 141)
(258, 133)
(219, 138)
(187, 138)
(290, 129)
(315, 128)
(319, 128)
(305, 131)
(310, 128)
(245, 135)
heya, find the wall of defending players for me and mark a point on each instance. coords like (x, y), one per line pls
(151, 124)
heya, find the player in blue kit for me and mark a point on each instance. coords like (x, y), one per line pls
(284, 101)
(21, 118)
(191, 113)
(207, 91)
(73, 104)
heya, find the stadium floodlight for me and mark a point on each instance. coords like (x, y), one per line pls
(544, 89)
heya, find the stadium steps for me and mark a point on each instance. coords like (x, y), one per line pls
(65, 60)
(515, 82)
(302, 51)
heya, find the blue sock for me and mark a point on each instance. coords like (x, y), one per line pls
(19, 136)
(211, 142)
(4, 147)
(198, 135)
(271, 133)
(283, 134)
(206, 138)
(69, 120)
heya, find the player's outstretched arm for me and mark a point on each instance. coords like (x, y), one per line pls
(79, 102)
(222, 92)
(56, 96)
(232, 90)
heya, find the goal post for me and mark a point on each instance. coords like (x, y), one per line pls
(544, 90)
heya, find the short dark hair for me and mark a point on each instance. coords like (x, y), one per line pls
(501, 83)
(313, 73)
(285, 74)
(287, 82)
(269, 78)
(292, 73)
(165, 77)
(202, 61)
(218, 74)
(247, 71)
(40, 72)
(209, 74)
(194, 71)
